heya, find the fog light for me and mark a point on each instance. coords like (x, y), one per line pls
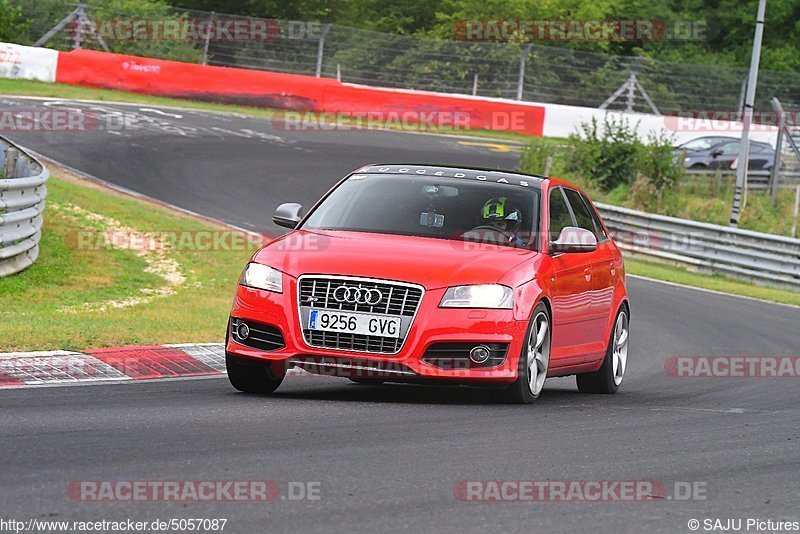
(479, 354)
(242, 331)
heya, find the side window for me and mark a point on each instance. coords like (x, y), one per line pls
(560, 216)
(598, 226)
(582, 216)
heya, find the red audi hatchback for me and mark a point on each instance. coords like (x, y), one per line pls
(415, 273)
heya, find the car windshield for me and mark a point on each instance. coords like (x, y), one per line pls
(435, 207)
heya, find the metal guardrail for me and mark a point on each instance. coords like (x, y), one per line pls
(22, 199)
(760, 258)
(757, 180)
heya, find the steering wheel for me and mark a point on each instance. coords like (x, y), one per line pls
(510, 237)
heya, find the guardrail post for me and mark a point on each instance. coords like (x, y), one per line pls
(522, 59)
(321, 48)
(796, 208)
(740, 192)
(776, 165)
(10, 168)
(207, 40)
(776, 162)
(80, 15)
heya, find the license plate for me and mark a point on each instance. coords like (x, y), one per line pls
(354, 323)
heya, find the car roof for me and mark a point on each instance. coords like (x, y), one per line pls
(752, 143)
(467, 173)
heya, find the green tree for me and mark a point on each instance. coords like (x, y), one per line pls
(12, 23)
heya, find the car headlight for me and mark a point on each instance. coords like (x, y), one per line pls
(262, 277)
(478, 296)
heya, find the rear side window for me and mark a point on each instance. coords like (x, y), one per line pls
(599, 230)
(582, 216)
(560, 216)
(585, 215)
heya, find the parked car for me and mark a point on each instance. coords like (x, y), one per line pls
(711, 153)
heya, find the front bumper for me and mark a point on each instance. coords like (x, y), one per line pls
(432, 326)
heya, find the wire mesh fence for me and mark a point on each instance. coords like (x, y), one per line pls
(529, 71)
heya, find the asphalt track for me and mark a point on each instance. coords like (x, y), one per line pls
(387, 458)
(233, 167)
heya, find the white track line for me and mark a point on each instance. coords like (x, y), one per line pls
(246, 115)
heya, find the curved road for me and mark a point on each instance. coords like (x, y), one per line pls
(388, 458)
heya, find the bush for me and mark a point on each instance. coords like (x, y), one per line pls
(534, 156)
(607, 155)
(609, 159)
(658, 166)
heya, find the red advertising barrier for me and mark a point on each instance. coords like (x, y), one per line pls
(479, 113)
(188, 80)
(286, 91)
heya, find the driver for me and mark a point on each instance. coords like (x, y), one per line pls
(498, 214)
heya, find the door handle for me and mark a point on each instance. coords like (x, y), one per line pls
(613, 269)
(587, 274)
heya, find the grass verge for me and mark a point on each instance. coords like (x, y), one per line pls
(111, 272)
(679, 275)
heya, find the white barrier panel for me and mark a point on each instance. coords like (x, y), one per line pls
(561, 121)
(28, 62)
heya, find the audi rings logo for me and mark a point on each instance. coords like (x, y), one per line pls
(357, 295)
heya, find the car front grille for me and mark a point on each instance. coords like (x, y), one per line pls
(398, 300)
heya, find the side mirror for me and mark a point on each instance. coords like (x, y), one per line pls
(573, 239)
(287, 215)
(716, 153)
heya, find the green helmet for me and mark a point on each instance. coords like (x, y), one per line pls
(498, 210)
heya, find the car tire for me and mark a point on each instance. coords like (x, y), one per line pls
(251, 376)
(608, 378)
(534, 357)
